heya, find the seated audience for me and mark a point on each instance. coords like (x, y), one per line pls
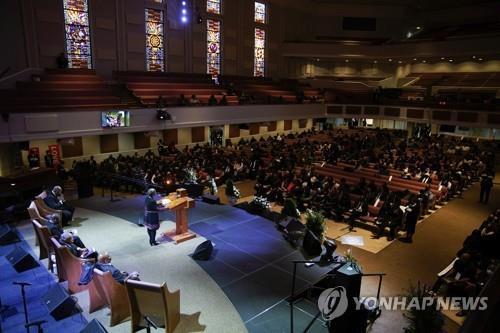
(212, 100)
(68, 240)
(56, 230)
(194, 101)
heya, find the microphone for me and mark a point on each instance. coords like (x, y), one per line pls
(22, 283)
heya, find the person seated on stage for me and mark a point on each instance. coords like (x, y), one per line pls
(182, 101)
(55, 200)
(194, 100)
(223, 101)
(160, 103)
(49, 163)
(62, 61)
(56, 230)
(68, 240)
(33, 159)
(104, 264)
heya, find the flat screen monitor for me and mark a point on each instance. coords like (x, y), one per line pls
(111, 119)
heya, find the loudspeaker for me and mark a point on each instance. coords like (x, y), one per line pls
(203, 251)
(21, 260)
(311, 244)
(7, 235)
(94, 326)
(59, 303)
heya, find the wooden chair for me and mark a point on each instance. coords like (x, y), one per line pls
(155, 302)
(43, 237)
(35, 213)
(114, 295)
(69, 267)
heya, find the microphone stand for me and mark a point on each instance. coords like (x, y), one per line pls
(23, 294)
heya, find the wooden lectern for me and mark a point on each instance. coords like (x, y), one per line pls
(179, 202)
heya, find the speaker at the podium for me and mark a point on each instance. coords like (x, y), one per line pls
(59, 303)
(21, 260)
(311, 244)
(94, 326)
(7, 235)
(203, 251)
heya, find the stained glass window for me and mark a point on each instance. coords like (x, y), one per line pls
(213, 47)
(76, 19)
(155, 52)
(260, 12)
(259, 65)
(213, 6)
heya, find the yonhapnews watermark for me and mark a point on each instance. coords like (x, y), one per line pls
(333, 303)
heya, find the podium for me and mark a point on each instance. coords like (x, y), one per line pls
(180, 203)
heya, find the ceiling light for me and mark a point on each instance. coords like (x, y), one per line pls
(317, 59)
(375, 61)
(473, 57)
(480, 59)
(418, 28)
(347, 60)
(399, 62)
(414, 59)
(424, 61)
(442, 58)
(451, 60)
(390, 59)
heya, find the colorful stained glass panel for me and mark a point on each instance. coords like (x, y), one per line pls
(155, 51)
(260, 12)
(259, 52)
(213, 6)
(213, 47)
(78, 48)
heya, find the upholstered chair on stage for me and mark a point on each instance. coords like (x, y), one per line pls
(153, 304)
(44, 209)
(43, 239)
(113, 294)
(69, 267)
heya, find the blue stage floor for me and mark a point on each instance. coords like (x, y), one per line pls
(251, 262)
(10, 295)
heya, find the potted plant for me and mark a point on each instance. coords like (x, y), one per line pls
(315, 222)
(426, 320)
(232, 192)
(351, 261)
(290, 210)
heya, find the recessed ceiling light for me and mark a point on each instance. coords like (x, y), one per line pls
(414, 59)
(399, 62)
(442, 58)
(451, 60)
(375, 61)
(424, 61)
(317, 59)
(480, 59)
(347, 60)
(418, 28)
(390, 59)
(473, 57)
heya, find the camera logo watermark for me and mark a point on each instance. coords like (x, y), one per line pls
(333, 302)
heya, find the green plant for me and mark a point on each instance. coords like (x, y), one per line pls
(426, 320)
(315, 222)
(290, 208)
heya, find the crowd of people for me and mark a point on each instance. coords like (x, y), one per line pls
(283, 168)
(476, 261)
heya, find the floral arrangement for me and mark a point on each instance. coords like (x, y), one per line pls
(231, 190)
(191, 176)
(261, 202)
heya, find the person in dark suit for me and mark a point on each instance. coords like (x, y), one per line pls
(55, 200)
(104, 264)
(486, 185)
(412, 215)
(151, 216)
(56, 231)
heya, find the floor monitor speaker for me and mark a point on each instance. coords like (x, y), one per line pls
(59, 303)
(203, 251)
(21, 260)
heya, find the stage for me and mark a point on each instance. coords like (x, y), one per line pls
(242, 287)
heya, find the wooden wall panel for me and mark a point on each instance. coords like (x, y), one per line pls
(70, 148)
(109, 143)
(254, 128)
(468, 117)
(415, 113)
(170, 136)
(334, 109)
(302, 123)
(353, 109)
(198, 134)
(234, 131)
(494, 118)
(287, 126)
(141, 140)
(441, 115)
(372, 110)
(272, 126)
(392, 112)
